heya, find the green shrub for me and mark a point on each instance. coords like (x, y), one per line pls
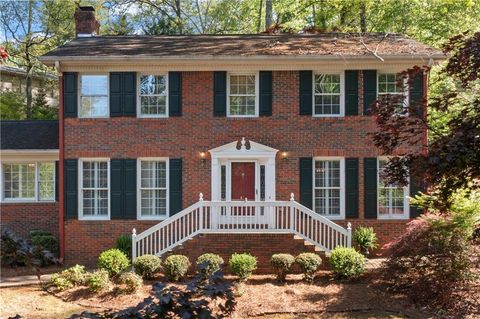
(48, 242)
(124, 243)
(282, 263)
(242, 265)
(147, 265)
(34, 233)
(60, 283)
(131, 282)
(309, 264)
(176, 267)
(347, 262)
(114, 261)
(365, 238)
(209, 263)
(98, 280)
(76, 274)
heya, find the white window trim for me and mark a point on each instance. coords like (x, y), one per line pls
(342, 94)
(139, 181)
(36, 199)
(342, 185)
(139, 106)
(406, 198)
(257, 94)
(406, 87)
(79, 98)
(80, 187)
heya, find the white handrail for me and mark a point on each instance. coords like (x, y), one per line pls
(244, 217)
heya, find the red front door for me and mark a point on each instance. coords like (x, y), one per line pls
(243, 181)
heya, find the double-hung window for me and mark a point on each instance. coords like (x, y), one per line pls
(242, 95)
(153, 190)
(153, 95)
(94, 195)
(392, 199)
(328, 90)
(329, 187)
(28, 181)
(393, 85)
(94, 95)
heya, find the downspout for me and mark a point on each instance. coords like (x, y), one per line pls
(61, 197)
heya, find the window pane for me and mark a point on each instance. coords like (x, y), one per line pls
(327, 94)
(46, 184)
(94, 85)
(153, 183)
(242, 94)
(327, 187)
(95, 185)
(153, 84)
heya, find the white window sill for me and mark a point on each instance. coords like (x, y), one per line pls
(94, 117)
(242, 116)
(156, 218)
(92, 218)
(333, 217)
(327, 116)
(392, 217)
(144, 116)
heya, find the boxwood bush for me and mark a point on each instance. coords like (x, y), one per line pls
(59, 282)
(114, 261)
(98, 280)
(347, 262)
(209, 263)
(309, 264)
(130, 281)
(147, 266)
(282, 263)
(242, 265)
(176, 267)
(76, 275)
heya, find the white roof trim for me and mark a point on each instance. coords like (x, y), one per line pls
(255, 149)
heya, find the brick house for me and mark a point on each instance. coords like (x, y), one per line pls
(272, 130)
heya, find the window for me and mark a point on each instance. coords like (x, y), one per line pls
(94, 96)
(392, 199)
(388, 85)
(242, 95)
(329, 187)
(153, 188)
(94, 195)
(29, 181)
(153, 95)
(328, 95)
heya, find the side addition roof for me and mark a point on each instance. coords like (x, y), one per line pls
(29, 135)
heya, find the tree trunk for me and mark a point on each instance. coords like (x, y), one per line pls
(178, 13)
(28, 90)
(268, 13)
(28, 58)
(363, 17)
(259, 23)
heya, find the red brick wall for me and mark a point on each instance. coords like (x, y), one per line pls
(24, 217)
(197, 130)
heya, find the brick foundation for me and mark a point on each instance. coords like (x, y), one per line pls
(24, 217)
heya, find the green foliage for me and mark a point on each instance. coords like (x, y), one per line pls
(176, 267)
(209, 263)
(282, 263)
(242, 265)
(147, 266)
(130, 281)
(75, 275)
(114, 261)
(41, 110)
(12, 106)
(124, 243)
(48, 242)
(98, 280)
(309, 264)
(365, 238)
(60, 283)
(347, 262)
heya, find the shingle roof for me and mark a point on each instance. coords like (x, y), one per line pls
(330, 44)
(29, 135)
(6, 69)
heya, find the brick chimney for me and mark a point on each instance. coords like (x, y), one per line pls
(85, 22)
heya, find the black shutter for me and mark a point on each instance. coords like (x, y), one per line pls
(416, 186)
(369, 90)
(175, 185)
(416, 93)
(370, 187)
(351, 92)
(71, 189)
(220, 93)
(115, 94)
(306, 181)
(130, 188)
(351, 187)
(56, 181)
(70, 97)
(175, 93)
(129, 93)
(117, 183)
(306, 92)
(123, 93)
(265, 93)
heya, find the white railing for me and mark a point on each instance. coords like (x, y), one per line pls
(241, 217)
